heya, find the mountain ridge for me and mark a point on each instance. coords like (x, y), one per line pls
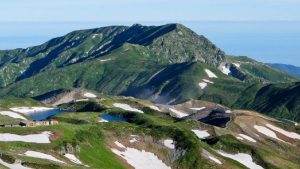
(287, 68)
(166, 64)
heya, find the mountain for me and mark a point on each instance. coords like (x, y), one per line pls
(290, 69)
(166, 64)
(277, 100)
(101, 131)
(251, 69)
(144, 97)
(171, 43)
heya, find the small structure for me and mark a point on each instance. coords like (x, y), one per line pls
(29, 123)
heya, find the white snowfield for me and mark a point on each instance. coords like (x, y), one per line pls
(225, 70)
(29, 110)
(267, 132)
(211, 157)
(177, 113)
(73, 158)
(105, 60)
(13, 166)
(32, 138)
(237, 65)
(127, 107)
(140, 159)
(81, 100)
(40, 155)
(242, 158)
(198, 108)
(119, 144)
(240, 138)
(208, 81)
(210, 74)
(89, 95)
(133, 140)
(215, 159)
(169, 143)
(228, 111)
(12, 114)
(154, 108)
(202, 85)
(284, 132)
(103, 121)
(201, 133)
(247, 138)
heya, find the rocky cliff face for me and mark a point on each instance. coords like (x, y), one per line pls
(184, 45)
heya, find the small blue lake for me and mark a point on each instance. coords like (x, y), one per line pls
(112, 118)
(43, 115)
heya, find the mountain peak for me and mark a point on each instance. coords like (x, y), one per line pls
(169, 43)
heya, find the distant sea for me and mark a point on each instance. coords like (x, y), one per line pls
(272, 42)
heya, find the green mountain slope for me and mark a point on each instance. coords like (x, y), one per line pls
(165, 64)
(290, 69)
(248, 69)
(118, 73)
(277, 100)
(170, 43)
(83, 133)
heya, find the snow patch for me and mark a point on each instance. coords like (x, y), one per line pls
(40, 155)
(215, 160)
(127, 107)
(208, 81)
(228, 111)
(133, 140)
(201, 133)
(284, 132)
(119, 144)
(95, 35)
(247, 138)
(73, 158)
(139, 159)
(198, 108)
(169, 143)
(177, 113)
(225, 70)
(12, 114)
(90, 95)
(103, 121)
(13, 166)
(242, 158)
(32, 138)
(238, 65)
(105, 60)
(240, 138)
(202, 85)
(29, 110)
(267, 132)
(210, 74)
(81, 100)
(154, 108)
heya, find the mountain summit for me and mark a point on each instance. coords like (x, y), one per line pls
(165, 64)
(172, 43)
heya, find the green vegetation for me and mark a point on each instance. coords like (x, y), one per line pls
(277, 100)
(164, 64)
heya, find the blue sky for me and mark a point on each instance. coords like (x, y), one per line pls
(147, 10)
(266, 30)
